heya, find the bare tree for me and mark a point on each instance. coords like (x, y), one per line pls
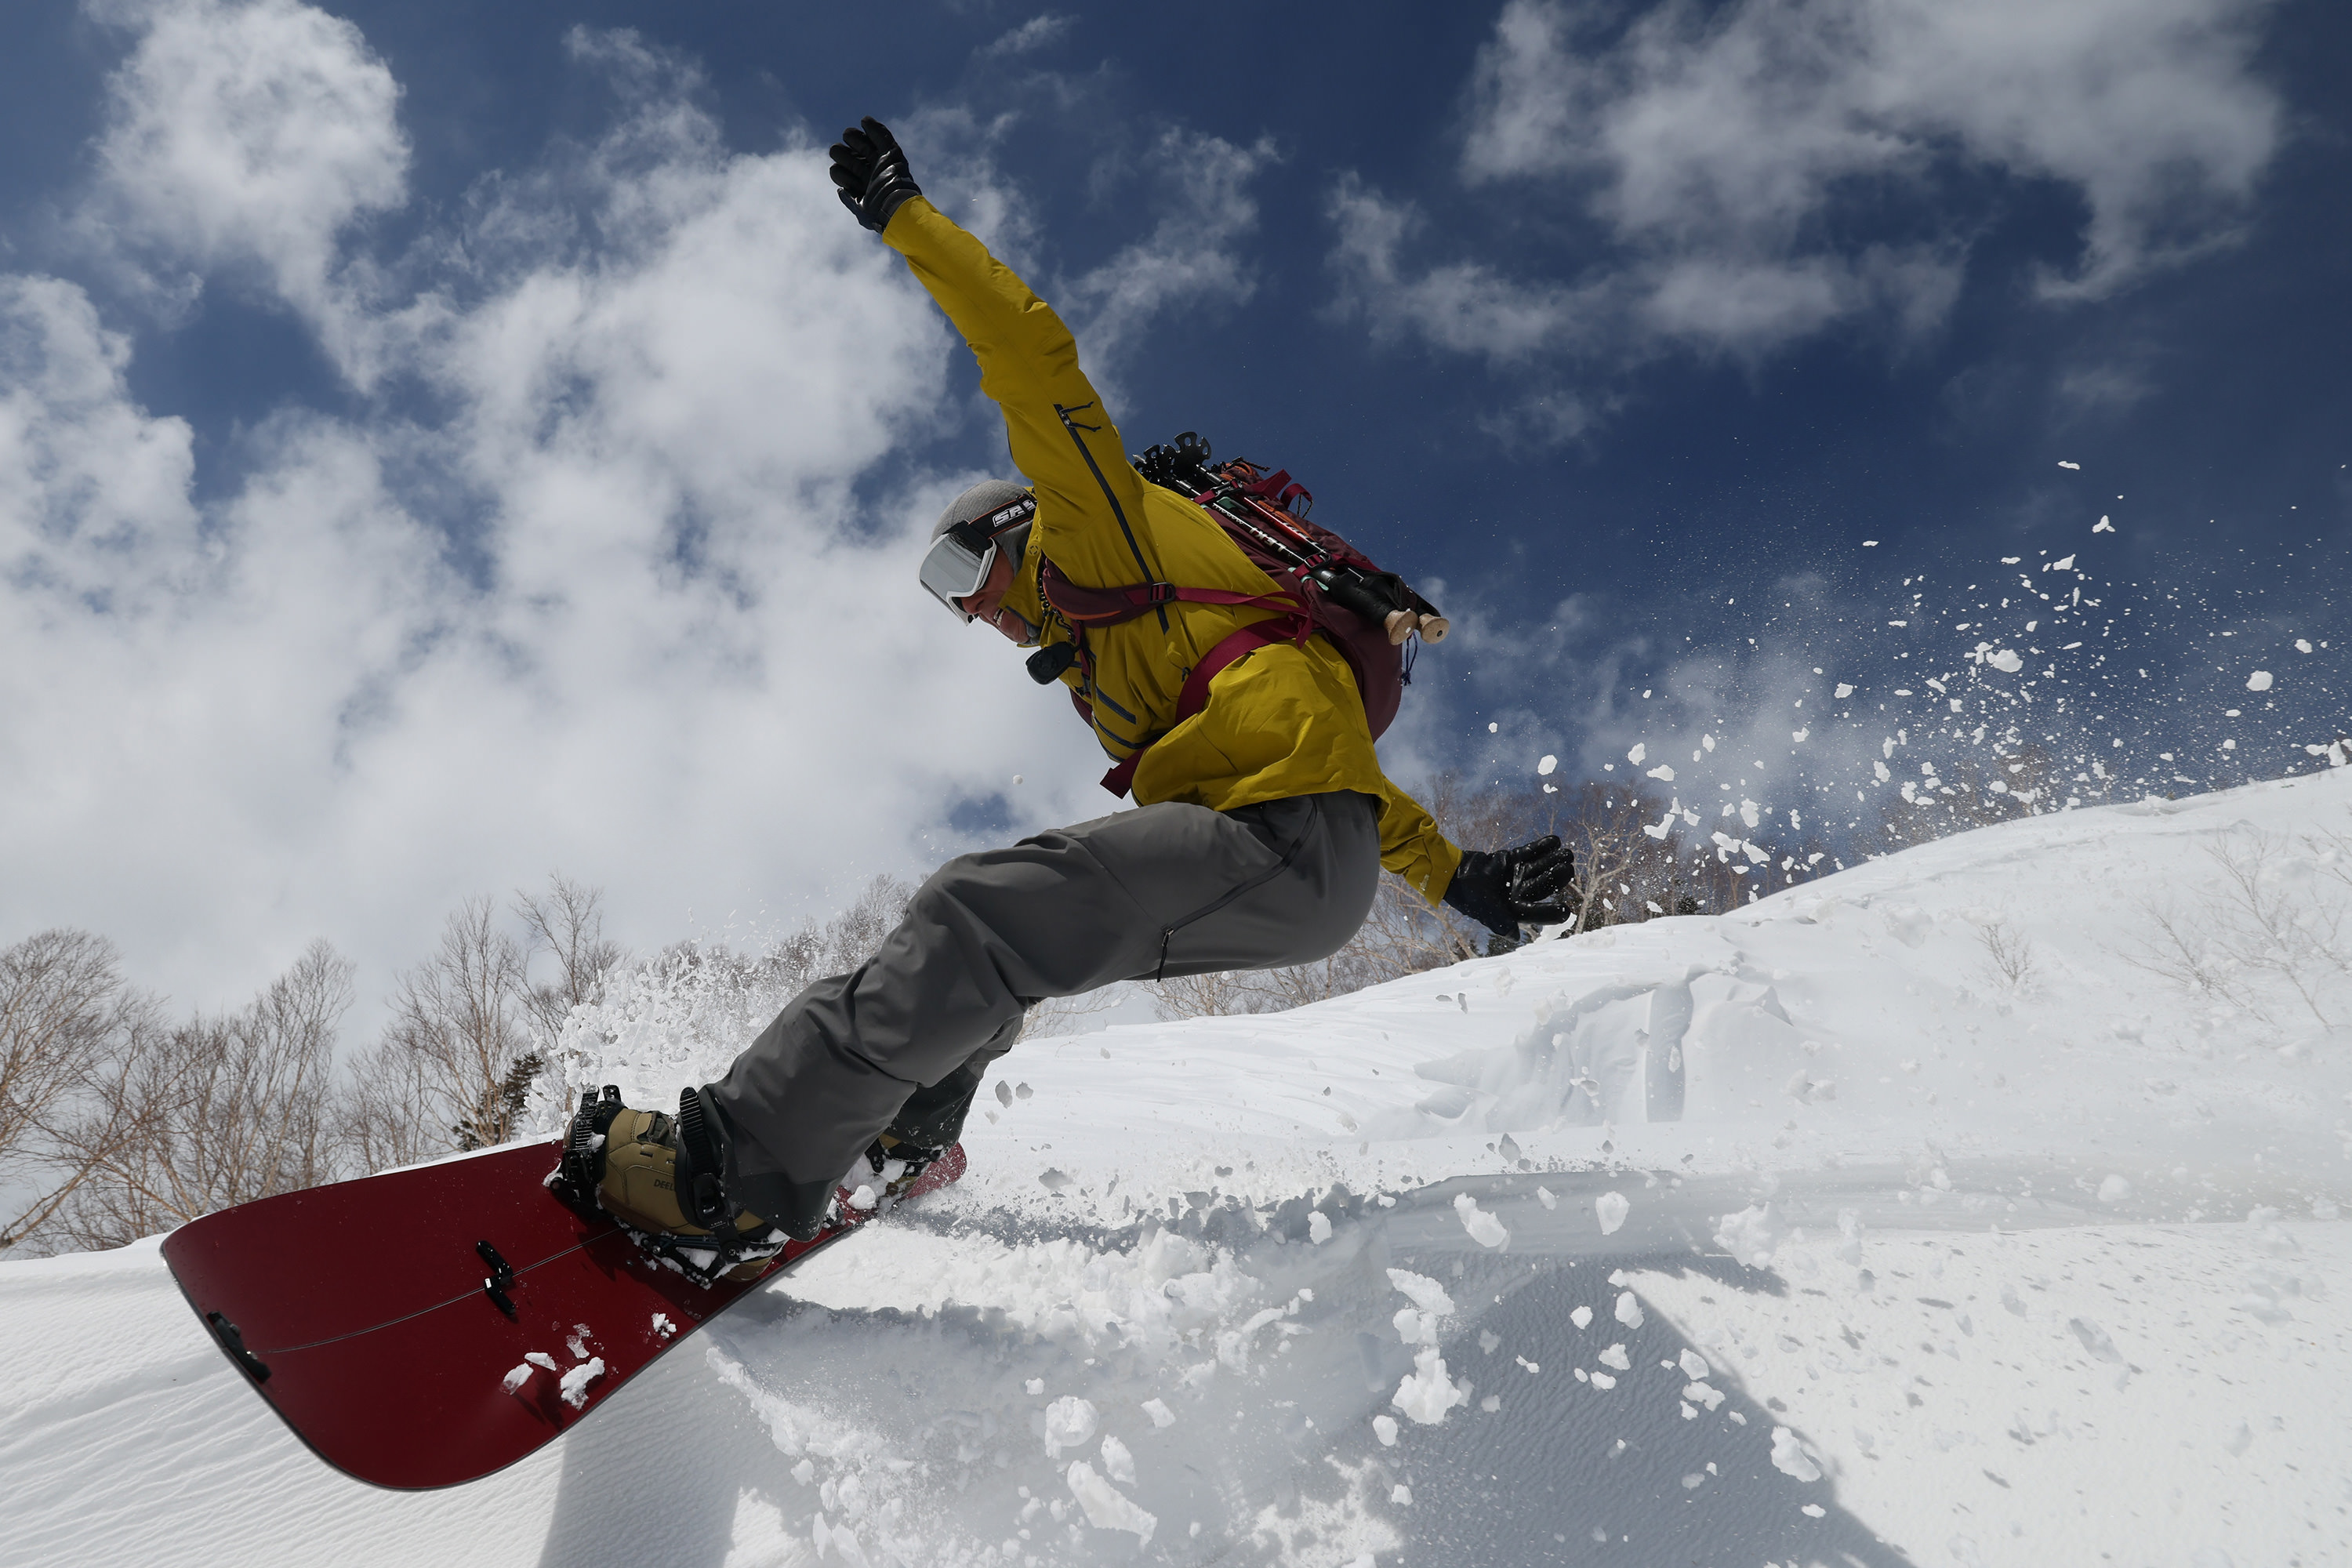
(2277, 922)
(568, 922)
(2010, 964)
(214, 1113)
(385, 1115)
(456, 1060)
(67, 1025)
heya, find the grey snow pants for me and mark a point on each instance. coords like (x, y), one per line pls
(1162, 891)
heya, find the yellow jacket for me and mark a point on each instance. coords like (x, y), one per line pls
(1282, 720)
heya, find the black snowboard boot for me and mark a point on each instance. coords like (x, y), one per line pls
(925, 1127)
(897, 1161)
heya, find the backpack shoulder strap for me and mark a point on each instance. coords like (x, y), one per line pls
(1294, 627)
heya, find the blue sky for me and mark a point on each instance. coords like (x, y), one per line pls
(439, 443)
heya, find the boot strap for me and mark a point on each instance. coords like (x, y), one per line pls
(582, 1166)
(702, 1160)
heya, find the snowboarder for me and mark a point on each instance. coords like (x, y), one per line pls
(1262, 820)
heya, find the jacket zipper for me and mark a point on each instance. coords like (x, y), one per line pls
(1073, 426)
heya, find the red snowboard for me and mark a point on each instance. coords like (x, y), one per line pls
(429, 1327)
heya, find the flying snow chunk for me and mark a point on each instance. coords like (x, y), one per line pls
(1069, 1422)
(1581, 1317)
(2302, 644)
(2102, 526)
(1750, 1235)
(2064, 464)
(1491, 729)
(2006, 660)
(1789, 1457)
(2010, 560)
(1319, 1227)
(2065, 563)
(1641, 749)
(1544, 1195)
(1484, 1228)
(1425, 1293)
(1629, 1310)
(1544, 768)
(1870, 544)
(1161, 1417)
(1106, 1507)
(1426, 1393)
(2115, 1190)
(1384, 1428)
(576, 1382)
(1118, 1464)
(1612, 1208)
(1844, 690)
(1664, 770)
(1616, 1356)
(2259, 681)
(517, 1378)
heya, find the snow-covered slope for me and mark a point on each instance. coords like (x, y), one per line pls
(1932, 1213)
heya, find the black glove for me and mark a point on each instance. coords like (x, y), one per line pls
(1534, 884)
(870, 167)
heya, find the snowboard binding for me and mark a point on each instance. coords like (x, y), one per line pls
(708, 1243)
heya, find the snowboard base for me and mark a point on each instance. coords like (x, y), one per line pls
(428, 1326)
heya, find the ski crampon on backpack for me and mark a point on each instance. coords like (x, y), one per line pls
(1323, 584)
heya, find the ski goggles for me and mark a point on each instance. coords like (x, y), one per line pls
(958, 563)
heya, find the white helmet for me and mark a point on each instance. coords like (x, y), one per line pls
(991, 517)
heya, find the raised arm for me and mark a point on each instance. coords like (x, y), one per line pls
(1089, 498)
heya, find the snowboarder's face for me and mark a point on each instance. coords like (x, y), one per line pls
(988, 605)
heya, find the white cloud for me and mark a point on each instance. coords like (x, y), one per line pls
(1188, 260)
(247, 135)
(93, 494)
(1034, 34)
(639, 605)
(1720, 151)
(1465, 306)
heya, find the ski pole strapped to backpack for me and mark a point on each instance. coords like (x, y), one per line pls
(1266, 515)
(1324, 585)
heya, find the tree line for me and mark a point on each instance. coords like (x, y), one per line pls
(118, 1121)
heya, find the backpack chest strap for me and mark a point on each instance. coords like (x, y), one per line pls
(1084, 606)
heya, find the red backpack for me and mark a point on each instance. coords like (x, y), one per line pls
(1324, 585)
